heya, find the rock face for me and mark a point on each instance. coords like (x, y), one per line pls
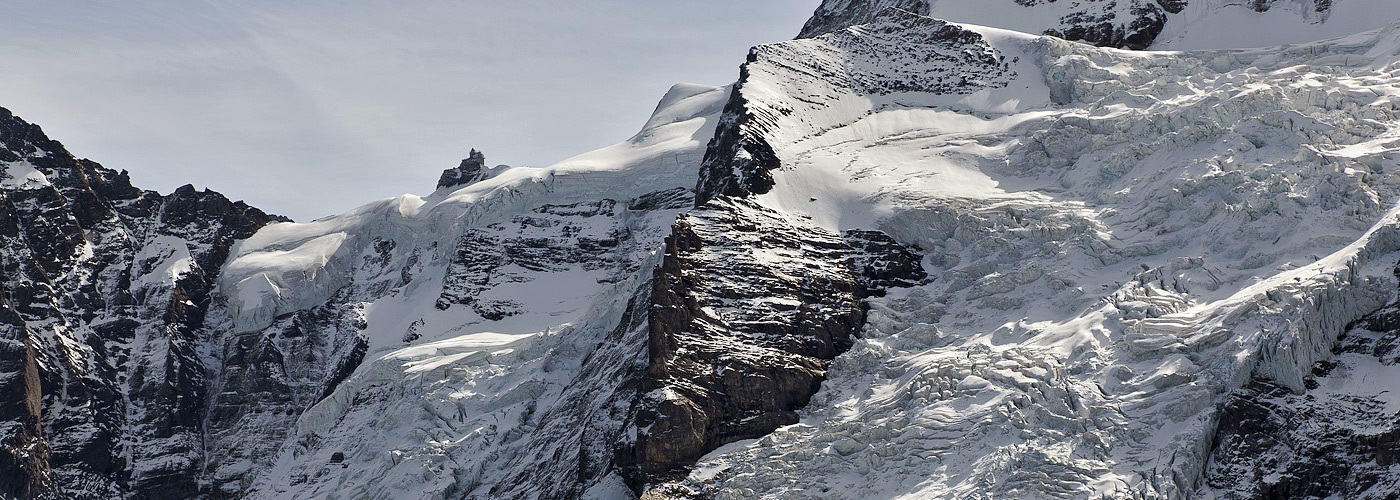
(472, 169)
(106, 289)
(507, 316)
(551, 239)
(265, 379)
(748, 309)
(1089, 320)
(836, 15)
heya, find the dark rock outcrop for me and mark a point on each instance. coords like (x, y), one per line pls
(553, 238)
(267, 379)
(1110, 28)
(835, 15)
(472, 169)
(748, 309)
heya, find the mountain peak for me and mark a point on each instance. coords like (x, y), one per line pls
(472, 169)
(835, 15)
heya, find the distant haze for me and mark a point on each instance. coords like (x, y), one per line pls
(312, 108)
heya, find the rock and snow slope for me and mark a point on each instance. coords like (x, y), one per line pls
(106, 287)
(900, 258)
(503, 322)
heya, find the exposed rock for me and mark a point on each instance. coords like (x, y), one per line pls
(267, 379)
(835, 15)
(472, 169)
(555, 238)
(748, 308)
(1136, 29)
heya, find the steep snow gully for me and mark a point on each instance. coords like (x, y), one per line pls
(901, 257)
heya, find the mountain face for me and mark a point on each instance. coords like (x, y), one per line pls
(901, 257)
(106, 292)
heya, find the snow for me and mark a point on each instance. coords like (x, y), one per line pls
(166, 259)
(270, 283)
(1202, 24)
(280, 268)
(22, 175)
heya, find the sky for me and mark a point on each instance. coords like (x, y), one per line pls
(308, 109)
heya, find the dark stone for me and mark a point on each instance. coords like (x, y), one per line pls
(555, 242)
(1095, 21)
(663, 200)
(739, 146)
(739, 339)
(739, 160)
(1103, 28)
(24, 453)
(472, 169)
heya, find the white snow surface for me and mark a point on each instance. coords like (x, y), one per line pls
(293, 266)
(1220, 24)
(22, 175)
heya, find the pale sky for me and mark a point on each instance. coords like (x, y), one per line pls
(313, 108)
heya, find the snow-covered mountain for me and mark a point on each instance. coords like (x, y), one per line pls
(901, 257)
